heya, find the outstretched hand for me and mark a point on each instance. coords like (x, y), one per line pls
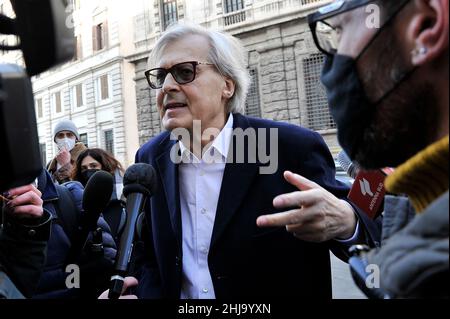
(312, 214)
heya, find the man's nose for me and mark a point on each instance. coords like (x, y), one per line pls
(170, 84)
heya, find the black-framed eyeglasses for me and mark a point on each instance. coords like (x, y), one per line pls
(326, 36)
(183, 73)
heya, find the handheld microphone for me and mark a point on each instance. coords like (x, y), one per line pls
(347, 164)
(139, 183)
(368, 190)
(96, 197)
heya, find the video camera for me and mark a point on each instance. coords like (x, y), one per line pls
(45, 41)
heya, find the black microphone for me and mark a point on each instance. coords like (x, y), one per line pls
(96, 197)
(139, 184)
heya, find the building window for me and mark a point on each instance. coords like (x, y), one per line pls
(57, 103)
(103, 87)
(84, 139)
(170, 13)
(319, 117)
(39, 109)
(108, 140)
(233, 5)
(77, 94)
(253, 105)
(100, 36)
(43, 151)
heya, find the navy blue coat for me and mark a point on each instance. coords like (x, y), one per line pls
(244, 260)
(52, 283)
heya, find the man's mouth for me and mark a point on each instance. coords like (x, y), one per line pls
(172, 106)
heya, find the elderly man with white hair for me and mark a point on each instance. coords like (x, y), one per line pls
(218, 171)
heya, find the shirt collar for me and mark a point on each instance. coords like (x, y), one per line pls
(221, 143)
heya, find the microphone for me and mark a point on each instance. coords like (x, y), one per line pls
(139, 183)
(96, 197)
(368, 190)
(347, 164)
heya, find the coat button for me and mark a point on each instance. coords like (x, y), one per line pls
(177, 261)
(31, 233)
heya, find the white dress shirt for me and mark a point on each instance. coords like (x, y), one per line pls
(200, 182)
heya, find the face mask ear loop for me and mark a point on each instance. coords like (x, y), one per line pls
(374, 38)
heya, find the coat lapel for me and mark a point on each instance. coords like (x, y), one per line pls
(168, 171)
(236, 182)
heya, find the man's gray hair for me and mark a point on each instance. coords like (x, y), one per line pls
(226, 53)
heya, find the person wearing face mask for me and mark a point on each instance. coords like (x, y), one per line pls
(90, 162)
(66, 137)
(65, 204)
(387, 88)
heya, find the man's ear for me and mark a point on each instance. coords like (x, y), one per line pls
(429, 30)
(229, 89)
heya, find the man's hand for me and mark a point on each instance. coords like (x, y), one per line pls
(25, 202)
(63, 157)
(314, 214)
(128, 283)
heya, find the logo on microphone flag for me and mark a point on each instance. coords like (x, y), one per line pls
(365, 187)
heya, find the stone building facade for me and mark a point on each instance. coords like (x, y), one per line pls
(282, 58)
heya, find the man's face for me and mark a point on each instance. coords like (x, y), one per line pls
(203, 99)
(403, 121)
(65, 134)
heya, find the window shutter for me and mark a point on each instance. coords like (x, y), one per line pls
(94, 38)
(105, 37)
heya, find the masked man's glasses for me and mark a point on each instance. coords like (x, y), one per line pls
(325, 34)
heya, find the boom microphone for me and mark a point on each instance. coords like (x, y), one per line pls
(96, 197)
(139, 184)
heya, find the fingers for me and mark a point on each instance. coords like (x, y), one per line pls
(127, 283)
(129, 297)
(24, 189)
(26, 200)
(296, 199)
(282, 219)
(30, 210)
(297, 217)
(300, 182)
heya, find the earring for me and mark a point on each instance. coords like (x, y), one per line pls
(421, 51)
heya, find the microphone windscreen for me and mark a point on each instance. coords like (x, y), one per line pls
(347, 164)
(98, 191)
(140, 174)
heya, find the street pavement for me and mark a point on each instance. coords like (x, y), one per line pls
(343, 286)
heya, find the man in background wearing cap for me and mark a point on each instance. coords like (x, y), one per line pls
(66, 136)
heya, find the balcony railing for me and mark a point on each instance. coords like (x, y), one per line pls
(265, 9)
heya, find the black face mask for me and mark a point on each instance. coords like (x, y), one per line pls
(349, 105)
(87, 174)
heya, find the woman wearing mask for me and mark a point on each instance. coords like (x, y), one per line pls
(66, 137)
(91, 161)
(88, 163)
